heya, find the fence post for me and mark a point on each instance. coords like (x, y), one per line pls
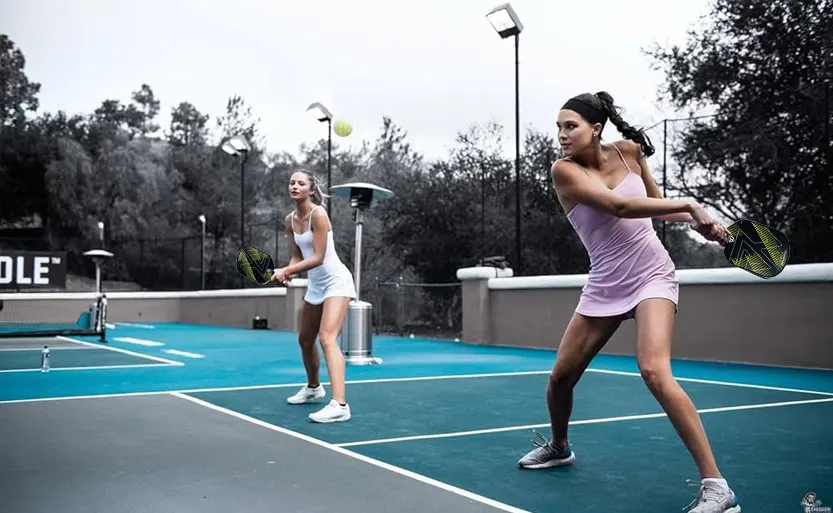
(476, 308)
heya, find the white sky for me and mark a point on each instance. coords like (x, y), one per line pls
(435, 67)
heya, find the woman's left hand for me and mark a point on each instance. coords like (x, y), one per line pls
(280, 276)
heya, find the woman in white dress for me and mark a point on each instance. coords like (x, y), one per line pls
(329, 291)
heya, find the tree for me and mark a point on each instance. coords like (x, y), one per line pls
(143, 111)
(18, 95)
(764, 69)
(188, 126)
(238, 120)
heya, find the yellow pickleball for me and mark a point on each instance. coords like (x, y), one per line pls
(342, 128)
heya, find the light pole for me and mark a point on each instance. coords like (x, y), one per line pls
(202, 252)
(237, 146)
(507, 24)
(322, 114)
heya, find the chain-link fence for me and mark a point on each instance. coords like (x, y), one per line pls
(419, 309)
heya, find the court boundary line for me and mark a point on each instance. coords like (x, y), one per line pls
(361, 457)
(716, 382)
(397, 380)
(91, 367)
(39, 349)
(123, 351)
(604, 420)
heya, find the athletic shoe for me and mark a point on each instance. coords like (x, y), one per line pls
(333, 412)
(545, 455)
(714, 498)
(307, 395)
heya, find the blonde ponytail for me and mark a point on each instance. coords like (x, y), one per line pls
(317, 190)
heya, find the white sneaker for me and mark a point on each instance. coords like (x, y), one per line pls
(307, 395)
(714, 498)
(333, 412)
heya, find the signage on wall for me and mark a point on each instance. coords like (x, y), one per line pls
(33, 269)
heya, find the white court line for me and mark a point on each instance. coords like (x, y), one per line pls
(133, 325)
(713, 382)
(392, 380)
(94, 367)
(576, 423)
(138, 341)
(183, 353)
(123, 351)
(366, 459)
(39, 349)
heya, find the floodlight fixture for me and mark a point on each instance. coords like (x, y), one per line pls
(236, 145)
(320, 112)
(505, 21)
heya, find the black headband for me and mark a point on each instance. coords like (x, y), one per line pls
(589, 112)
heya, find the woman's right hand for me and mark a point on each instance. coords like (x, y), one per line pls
(701, 220)
(706, 225)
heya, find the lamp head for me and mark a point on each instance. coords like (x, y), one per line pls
(505, 21)
(320, 112)
(236, 145)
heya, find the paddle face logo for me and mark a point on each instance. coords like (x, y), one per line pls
(758, 249)
(254, 264)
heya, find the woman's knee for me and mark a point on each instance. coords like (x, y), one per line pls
(328, 338)
(564, 375)
(655, 372)
(306, 340)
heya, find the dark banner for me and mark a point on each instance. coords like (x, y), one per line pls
(33, 269)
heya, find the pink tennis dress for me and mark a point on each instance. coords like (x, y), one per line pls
(628, 262)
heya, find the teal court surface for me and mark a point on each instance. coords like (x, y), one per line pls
(186, 418)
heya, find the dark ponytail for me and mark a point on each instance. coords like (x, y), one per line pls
(629, 132)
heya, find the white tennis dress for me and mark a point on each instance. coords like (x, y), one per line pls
(330, 279)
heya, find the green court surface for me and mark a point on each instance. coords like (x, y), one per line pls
(771, 444)
(449, 419)
(412, 408)
(771, 458)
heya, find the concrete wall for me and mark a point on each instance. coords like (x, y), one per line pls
(724, 314)
(281, 306)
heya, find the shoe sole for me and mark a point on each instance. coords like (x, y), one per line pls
(556, 463)
(330, 421)
(307, 401)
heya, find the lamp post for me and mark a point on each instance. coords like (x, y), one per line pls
(323, 115)
(202, 252)
(238, 146)
(507, 24)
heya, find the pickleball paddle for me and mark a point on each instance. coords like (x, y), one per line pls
(255, 264)
(756, 248)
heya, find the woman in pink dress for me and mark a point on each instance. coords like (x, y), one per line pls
(609, 197)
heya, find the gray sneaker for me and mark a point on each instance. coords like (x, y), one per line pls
(545, 455)
(713, 498)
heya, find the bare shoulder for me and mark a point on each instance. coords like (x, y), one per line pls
(320, 219)
(564, 171)
(287, 221)
(632, 152)
(629, 148)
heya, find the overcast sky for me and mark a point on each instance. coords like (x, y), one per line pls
(435, 67)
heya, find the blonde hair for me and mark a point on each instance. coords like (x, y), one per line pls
(317, 191)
